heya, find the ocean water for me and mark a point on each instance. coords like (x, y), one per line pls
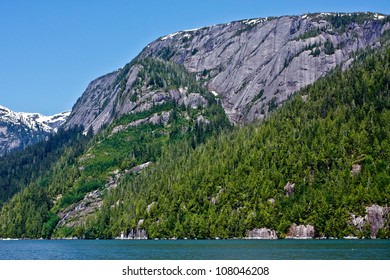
(194, 249)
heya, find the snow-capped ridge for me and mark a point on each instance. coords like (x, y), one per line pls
(33, 121)
(19, 130)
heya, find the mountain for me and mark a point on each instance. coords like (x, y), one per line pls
(173, 109)
(19, 130)
(164, 161)
(316, 167)
(252, 65)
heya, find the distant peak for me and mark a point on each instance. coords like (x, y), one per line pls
(34, 121)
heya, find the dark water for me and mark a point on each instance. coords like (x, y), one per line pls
(195, 249)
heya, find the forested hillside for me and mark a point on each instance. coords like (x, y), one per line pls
(50, 178)
(20, 168)
(175, 167)
(331, 141)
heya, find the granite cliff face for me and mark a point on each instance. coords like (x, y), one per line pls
(19, 130)
(252, 66)
(131, 90)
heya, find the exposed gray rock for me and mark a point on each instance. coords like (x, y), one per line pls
(377, 217)
(301, 232)
(214, 200)
(150, 206)
(202, 120)
(106, 99)
(251, 66)
(157, 118)
(134, 234)
(356, 169)
(358, 221)
(140, 167)
(76, 214)
(289, 188)
(262, 233)
(254, 65)
(99, 95)
(100, 104)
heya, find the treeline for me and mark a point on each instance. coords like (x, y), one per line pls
(235, 181)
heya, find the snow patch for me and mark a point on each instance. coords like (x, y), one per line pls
(186, 36)
(33, 121)
(192, 30)
(169, 36)
(255, 21)
(378, 16)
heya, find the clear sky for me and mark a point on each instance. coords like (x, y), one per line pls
(50, 50)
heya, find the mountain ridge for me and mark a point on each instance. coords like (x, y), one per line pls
(252, 65)
(166, 163)
(19, 129)
(255, 64)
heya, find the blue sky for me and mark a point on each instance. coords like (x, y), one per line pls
(50, 50)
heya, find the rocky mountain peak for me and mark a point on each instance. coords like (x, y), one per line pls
(256, 64)
(252, 66)
(18, 130)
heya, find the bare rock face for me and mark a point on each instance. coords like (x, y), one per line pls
(97, 106)
(140, 167)
(358, 221)
(377, 217)
(301, 232)
(289, 188)
(76, 214)
(134, 234)
(262, 233)
(356, 169)
(254, 65)
(251, 66)
(157, 118)
(110, 96)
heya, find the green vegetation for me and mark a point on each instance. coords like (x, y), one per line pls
(316, 52)
(328, 47)
(27, 213)
(223, 187)
(208, 180)
(340, 22)
(20, 168)
(166, 53)
(258, 96)
(82, 166)
(313, 32)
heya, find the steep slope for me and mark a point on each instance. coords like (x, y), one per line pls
(172, 107)
(319, 164)
(254, 65)
(19, 130)
(162, 164)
